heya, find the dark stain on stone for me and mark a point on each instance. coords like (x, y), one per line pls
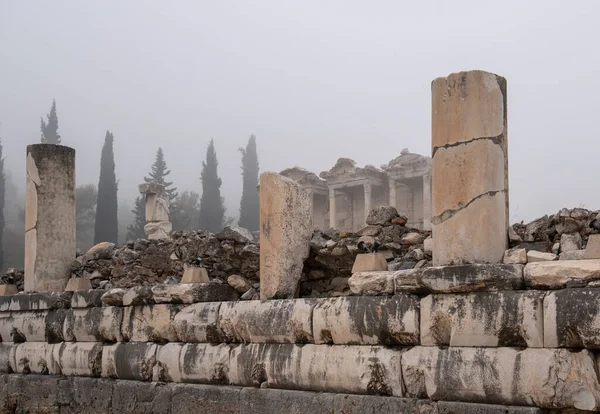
(511, 336)
(326, 336)
(219, 376)
(25, 363)
(17, 336)
(214, 334)
(377, 383)
(576, 311)
(54, 322)
(259, 374)
(95, 362)
(441, 328)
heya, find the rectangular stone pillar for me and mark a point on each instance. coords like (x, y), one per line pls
(285, 232)
(427, 202)
(49, 217)
(392, 184)
(367, 188)
(332, 211)
(470, 168)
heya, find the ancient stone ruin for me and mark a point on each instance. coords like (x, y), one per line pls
(474, 316)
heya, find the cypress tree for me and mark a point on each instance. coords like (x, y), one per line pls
(212, 211)
(106, 227)
(136, 229)
(2, 197)
(50, 129)
(249, 205)
(158, 174)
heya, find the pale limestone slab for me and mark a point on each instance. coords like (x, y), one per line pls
(152, 323)
(32, 326)
(323, 368)
(489, 319)
(549, 378)
(557, 274)
(372, 283)
(194, 275)
(79, 359)
(367, 320)
(198, 323)
(78, 283)
(101, 324)
(36, 358)
(535, 256)
(274, 321)
(8, 289)
(285, 233)
(592, 250)
(369, 262)
(205, 364)
(167, 368)
(133, 360)
(471, 278)
(515, 256)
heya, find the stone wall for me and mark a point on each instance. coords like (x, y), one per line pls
(438, 339)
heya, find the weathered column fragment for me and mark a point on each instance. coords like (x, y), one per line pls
(470, 168)
(332, 218)
(158, 225)
(392, 185)
(49, 217)
(427, 201)
(367, 190)
(285, 233)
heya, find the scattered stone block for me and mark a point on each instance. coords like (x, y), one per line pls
(114, 297)
(483, 319)
(372, 283)
(547, 378)
(428, 245)
(158, 230)
(235, 233)
(193, 292)
(139, 295)
(382, 216)
(102, 324)
(469, 168)
(285, 233)
(8, 289)
(79, 359)
(572, 318)
(324, 368)
(149, 323)
(471, 278)
(274, 321)
(535, 256)
(261, 401)
(369, 230)
(407, 281)
(78, 283)
(558, 274)
(239, 283)
(102, 251)
(205, 364)
(195, 275)
(592, 250)
(570, 242)
(572, 255)
(515, 256)
(369, 262)
(134, 360)
(367, 320)
(36, 358)
(87, 298)
(199, 323)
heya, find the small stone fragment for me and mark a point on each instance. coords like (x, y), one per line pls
(239, 283)
(515, 256)
(535, 256)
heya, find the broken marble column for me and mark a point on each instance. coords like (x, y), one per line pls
(158, 225)
(469, 168)
(49, 217)
(285, 233)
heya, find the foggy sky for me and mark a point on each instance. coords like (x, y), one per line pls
(313, 80)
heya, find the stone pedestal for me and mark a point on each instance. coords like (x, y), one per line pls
(469, 168)
(285, 233)
(78, 283)
(369, 262)
(194, 275)
(158, 225)
(8, 289)
(49, 217)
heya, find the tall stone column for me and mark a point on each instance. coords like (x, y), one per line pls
(49, 217)
(427, 201)
(367, 188)
(285, 233)
(470, 168)
(332, 211)
(392, 184)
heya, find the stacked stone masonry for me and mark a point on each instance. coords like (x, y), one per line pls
(441, 339)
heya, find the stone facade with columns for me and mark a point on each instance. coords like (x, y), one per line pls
(344, 195)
